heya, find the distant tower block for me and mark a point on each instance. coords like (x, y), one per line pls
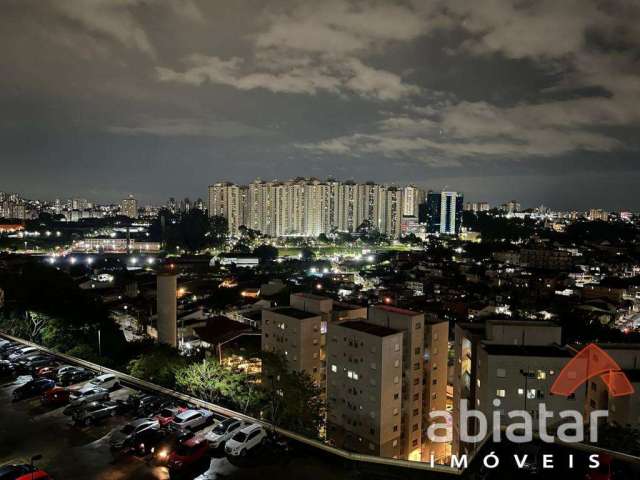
(167, 308)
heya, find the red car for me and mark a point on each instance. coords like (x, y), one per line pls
(23, 472)
(48, 372)
(188, 452)
(57, 396)
(166, 415)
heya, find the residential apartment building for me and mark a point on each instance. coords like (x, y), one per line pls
(497, 359)
(296, 335)
(365, 388)
(309, 207)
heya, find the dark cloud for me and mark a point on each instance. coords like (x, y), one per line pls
(538, 100)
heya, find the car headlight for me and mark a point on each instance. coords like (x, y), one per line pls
(163, 454)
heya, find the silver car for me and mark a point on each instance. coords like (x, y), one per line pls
(86, 394)
(192, 419)
(94, 411)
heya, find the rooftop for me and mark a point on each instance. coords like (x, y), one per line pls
(402, 311)
(528, 350)
(294, 312)
(311, 296)
(362, 326)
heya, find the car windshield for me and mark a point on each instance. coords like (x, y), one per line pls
(240, 437)
(166, 413)
(220, 429)
(127, 429)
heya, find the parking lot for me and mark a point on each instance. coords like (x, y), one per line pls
(68, 449)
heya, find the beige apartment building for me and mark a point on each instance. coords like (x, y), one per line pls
(412, 325)
(295, 334)
(624, 410)
(434, 398)
(364, 388)
(475, 374)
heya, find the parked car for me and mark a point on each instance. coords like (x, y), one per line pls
(22, 472)
(146, 442)
(57, 396)
(48, 371)
(192, 419)
(30, 363)
(7, 370)
(167, 414)
(223, 432)
(95, 411)
(187, 453)
(87, 394)
(71, 377)
(68, 368)
(245, 440)
(119, 438)
(107, 381)
(150, 404)
(33, 388)
(7, 351)
(22, 352)
(173, 439)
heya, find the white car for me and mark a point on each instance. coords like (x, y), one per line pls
(86, 394)
(244, 440)
(107, 381)
(192, 419)
(223, 432)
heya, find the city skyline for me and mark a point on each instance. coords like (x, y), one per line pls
(150, 98)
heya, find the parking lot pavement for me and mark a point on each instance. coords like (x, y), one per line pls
(72, 452)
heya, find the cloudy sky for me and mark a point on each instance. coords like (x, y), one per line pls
(533, 100)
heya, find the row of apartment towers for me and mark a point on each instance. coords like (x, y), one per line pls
(308, 207)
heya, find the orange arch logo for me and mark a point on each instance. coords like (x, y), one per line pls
(592, 362)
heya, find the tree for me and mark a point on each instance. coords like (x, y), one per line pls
(159, 365)
(294, 400)
(266, 252)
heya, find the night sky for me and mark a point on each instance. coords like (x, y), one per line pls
(533, 100)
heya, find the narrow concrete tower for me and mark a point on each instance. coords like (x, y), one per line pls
(167, 308)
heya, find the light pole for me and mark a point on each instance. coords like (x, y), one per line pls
(99, 343)
(35, 458)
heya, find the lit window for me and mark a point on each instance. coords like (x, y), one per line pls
(531, 393)
(521, 391)
(541, 375)
(334, 368)
(501, 372)
(501, 393)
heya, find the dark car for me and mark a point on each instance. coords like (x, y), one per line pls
(7, 370)
(75, 376)
(30, 364)
(150, 404)
(33, 388)
(146, 442)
